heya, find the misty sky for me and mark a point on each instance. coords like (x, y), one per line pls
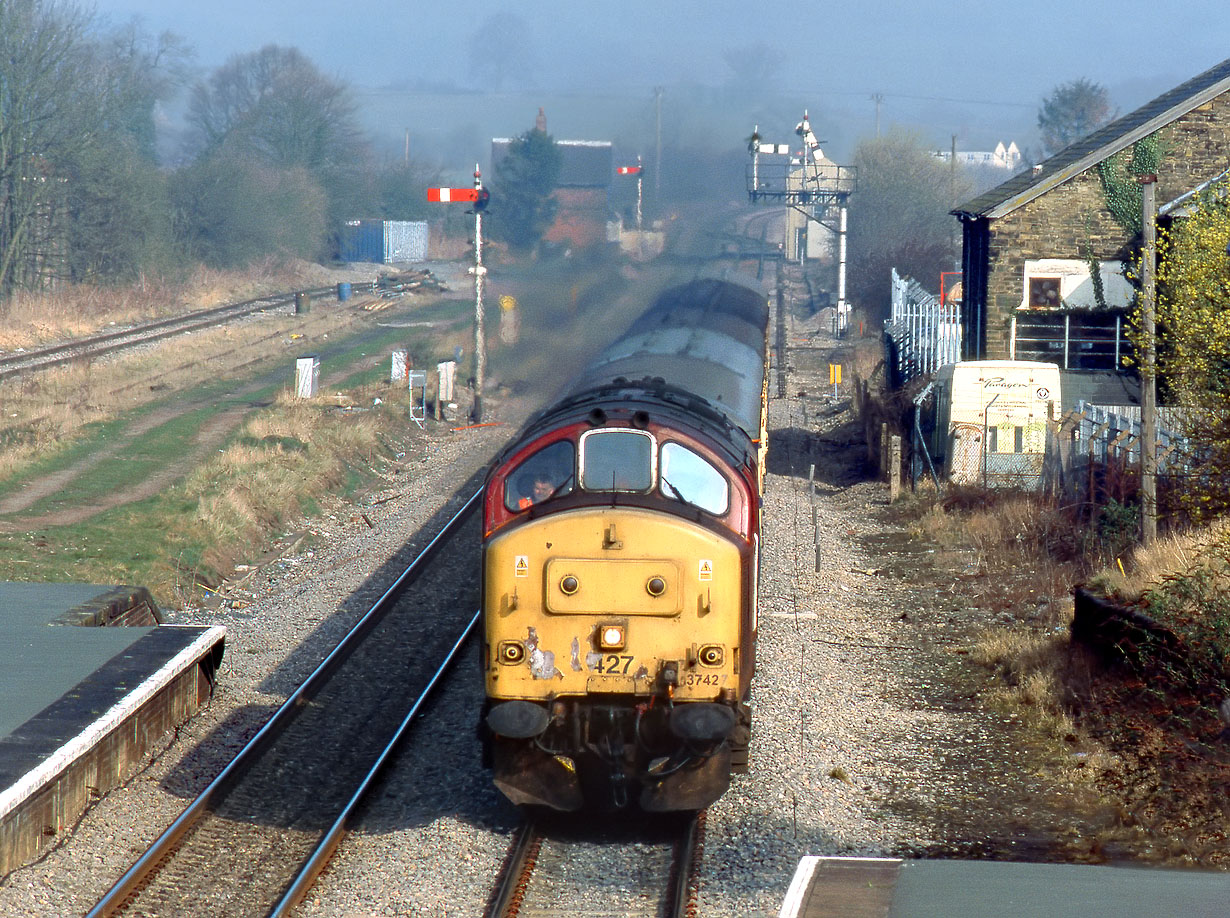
(994, 62)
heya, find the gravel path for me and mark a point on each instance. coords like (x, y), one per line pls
(868, 734)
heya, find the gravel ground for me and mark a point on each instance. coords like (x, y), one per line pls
(868, 736)
(292, 610)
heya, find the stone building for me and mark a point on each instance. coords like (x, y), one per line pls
(1030, 244)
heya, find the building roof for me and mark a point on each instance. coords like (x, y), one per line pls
(1092, 149)
(584, 163)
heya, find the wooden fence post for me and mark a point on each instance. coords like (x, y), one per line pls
(894, 470)
(884, 447)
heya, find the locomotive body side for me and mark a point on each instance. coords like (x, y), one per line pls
(619, 588)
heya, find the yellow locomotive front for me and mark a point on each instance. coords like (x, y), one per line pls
(618, 595)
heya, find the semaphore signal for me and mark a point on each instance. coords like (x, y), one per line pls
(478, 196)
(634, 170)
(458, 195)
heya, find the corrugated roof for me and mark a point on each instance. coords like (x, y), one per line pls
(1091, 150)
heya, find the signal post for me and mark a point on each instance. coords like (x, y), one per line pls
(478, 195)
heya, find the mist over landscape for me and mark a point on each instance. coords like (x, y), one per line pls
(453, 78)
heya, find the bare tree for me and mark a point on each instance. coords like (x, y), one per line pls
(899, 217)
(276, 109)
(276, 104)
(502, 52)
(754, 66)
(47, 112)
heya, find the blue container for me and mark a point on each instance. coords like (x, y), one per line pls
(343, 291)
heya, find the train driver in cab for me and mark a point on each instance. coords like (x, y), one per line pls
(546, 474)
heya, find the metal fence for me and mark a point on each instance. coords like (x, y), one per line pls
(1080, 445)
(922, 333)
(1093, 434)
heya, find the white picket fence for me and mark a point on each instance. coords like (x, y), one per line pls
(924, 334)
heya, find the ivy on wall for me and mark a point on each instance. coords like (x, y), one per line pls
(1118, 174)
(1095, 268)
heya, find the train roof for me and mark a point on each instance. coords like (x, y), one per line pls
(703, 341)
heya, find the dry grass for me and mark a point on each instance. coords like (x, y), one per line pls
(1031, 669)
(1017, 553)
(1148, 567)
(292, 454)
(36, 319)
(45, 412)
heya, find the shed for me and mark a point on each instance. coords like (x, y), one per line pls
(383, 241)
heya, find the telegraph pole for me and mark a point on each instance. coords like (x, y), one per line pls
(1148, 381)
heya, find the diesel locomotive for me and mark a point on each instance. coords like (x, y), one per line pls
(620, 558)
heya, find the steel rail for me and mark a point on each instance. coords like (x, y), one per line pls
(319, 857)
(682, 890)
(173, 325)
(507, 900)
(115, 898)
(677, 891)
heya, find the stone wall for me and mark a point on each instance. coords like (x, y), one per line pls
(1070, 218)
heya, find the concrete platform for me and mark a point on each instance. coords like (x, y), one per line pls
(860, 887)
(90, 680)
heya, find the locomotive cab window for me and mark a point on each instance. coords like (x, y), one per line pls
(617, 460)
(691, 478)
(544, 475)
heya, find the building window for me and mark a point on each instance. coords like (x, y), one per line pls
(1043, 291)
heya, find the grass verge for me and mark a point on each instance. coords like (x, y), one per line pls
(184, 539)
(1150, 742)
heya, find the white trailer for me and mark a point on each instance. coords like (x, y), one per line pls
(989, 425)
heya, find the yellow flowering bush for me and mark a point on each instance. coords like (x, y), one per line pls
(1193, 318)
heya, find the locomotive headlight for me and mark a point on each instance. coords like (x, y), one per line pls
(656, 586)
(511, 652)
(569, 585)
(611, 637)
(711, 655)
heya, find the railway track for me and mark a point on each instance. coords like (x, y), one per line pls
(254, 841)
(644, 868)
(94, 346)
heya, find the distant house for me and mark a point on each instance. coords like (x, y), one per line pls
(1001, 157)
(583, 191)
(1030, 244)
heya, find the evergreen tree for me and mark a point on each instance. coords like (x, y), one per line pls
(522, 208)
